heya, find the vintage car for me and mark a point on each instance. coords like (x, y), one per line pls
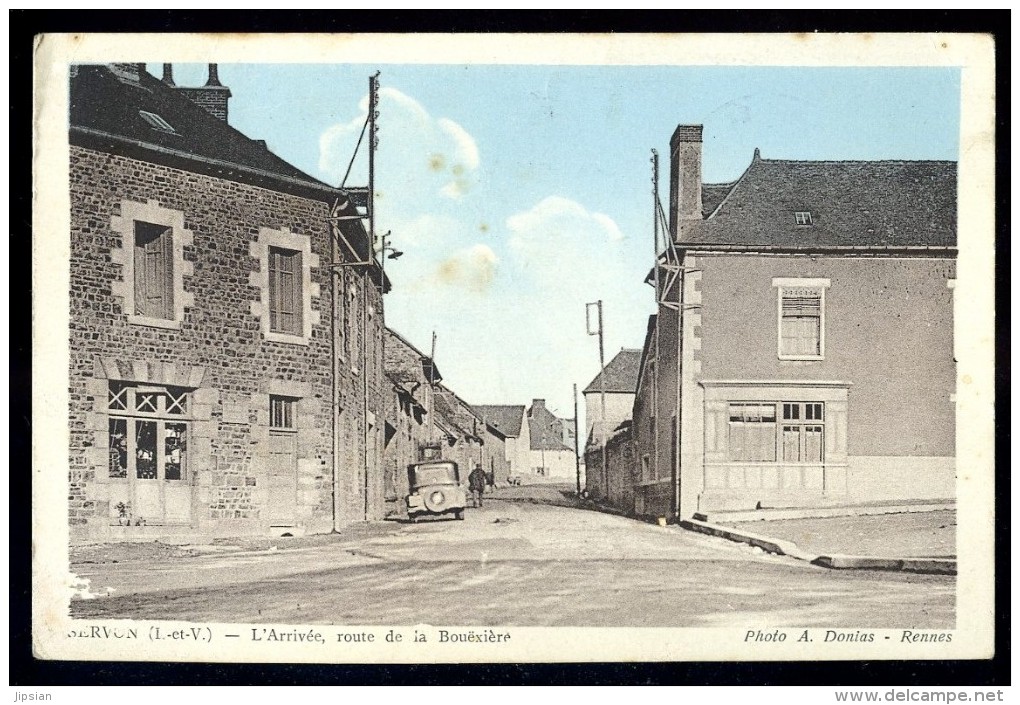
(435, 490)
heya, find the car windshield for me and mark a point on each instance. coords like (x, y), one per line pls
(437, 474)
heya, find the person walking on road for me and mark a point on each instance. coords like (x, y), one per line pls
(476, 483)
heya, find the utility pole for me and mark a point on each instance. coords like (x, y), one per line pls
(577, 450)
(373, 143)
(658, 309)
(432, 389)
(602, 389)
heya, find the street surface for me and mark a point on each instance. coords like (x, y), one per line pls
(526, 558)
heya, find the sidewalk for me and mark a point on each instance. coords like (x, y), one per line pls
(920, 542)
(913, 535)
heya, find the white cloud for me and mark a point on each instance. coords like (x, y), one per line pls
(419, 157)
(559, 233)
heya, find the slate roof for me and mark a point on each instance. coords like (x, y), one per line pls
(406, 363)
(852, 204)
(453, 414)
(103, 104)
(547, 431)
(621, 373)
(712, 195)
(505, 419)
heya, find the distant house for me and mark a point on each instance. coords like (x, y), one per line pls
(553, 456)
(224, 374)
(511, 422)
(802, 352)
(619, 381)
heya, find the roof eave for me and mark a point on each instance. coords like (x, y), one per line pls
(103, 141)
(912, 250)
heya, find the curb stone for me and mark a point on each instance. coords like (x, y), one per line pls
(940, 566)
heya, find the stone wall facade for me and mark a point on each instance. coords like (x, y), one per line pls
(201, 419)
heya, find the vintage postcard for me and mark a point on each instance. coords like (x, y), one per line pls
(513, 348)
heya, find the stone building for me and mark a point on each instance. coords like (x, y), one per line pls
(802, 352)
(224, 377)
(428, 420)
(618, 380)
(467, 438)
(409, 427)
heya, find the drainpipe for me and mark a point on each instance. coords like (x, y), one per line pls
(364, 382)
(679, 385)
(334, 411)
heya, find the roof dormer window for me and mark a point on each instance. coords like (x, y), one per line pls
(803, 217)
(156, 122)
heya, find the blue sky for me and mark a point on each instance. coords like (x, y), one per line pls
(518, 193)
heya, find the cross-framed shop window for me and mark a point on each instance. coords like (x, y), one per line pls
(148, 432)
(755, 434)
(803, 432)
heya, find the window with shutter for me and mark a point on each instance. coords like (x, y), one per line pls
(801, 318)
(285, 296)
(153, 271)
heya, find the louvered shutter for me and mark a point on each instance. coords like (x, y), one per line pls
(801, 321)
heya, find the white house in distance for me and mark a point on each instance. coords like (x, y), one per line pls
(553, 457)
(621, 378)
(509, 420)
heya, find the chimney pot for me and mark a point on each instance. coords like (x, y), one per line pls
(214, 75)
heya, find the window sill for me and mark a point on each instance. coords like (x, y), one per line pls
(154, 322)
(803, 358)
(286, 338)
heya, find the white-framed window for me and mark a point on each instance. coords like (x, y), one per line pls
(151, 253)
(769, 432)
(801, 318)
(148, 432)
(803, 217)
(284, 276)
(803, 439)
(752, 432)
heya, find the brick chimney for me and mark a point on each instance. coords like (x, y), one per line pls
(684, 177)
(213, 96)
(536, 406)
(168, 74)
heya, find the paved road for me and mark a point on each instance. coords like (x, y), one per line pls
(517, 561)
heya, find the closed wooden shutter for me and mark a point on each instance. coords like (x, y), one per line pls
(285, 296)
(153, 271)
